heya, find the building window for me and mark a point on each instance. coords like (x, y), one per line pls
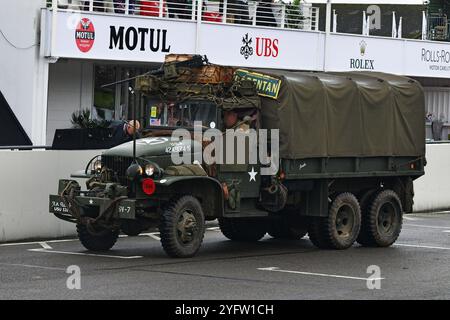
(104, 98)
(117, 101)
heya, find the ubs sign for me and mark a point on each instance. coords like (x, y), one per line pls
(264, 47)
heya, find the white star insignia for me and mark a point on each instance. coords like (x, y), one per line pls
(252, 174)
(91, 201)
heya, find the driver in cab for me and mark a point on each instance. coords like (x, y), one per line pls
(231, 121)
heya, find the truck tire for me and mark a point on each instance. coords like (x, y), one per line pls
(242, 229)
(283, 229)
(341, 228)
(182, 227)
(381, 221)
(101, 242)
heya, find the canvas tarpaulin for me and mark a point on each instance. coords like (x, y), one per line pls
(346, 114)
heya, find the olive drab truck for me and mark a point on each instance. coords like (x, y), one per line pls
(350, 145)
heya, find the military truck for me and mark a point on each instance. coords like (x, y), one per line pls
(350, 146)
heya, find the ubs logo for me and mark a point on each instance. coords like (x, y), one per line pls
(246, 49)
(85, 35)
(265, 47)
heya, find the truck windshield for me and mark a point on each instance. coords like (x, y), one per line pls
(183, 114)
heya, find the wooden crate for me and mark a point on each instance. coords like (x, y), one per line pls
(207, 74)
(177, 57)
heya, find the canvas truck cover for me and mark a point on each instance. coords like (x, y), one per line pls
(363, 114)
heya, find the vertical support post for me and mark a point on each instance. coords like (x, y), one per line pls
(255, 4)
(334, 21)
(328, 18)
(283, 15)
(161, 3)
(91, 5)
(224, 17)
(199, 23)
(424, 26)
(54, 25)
(327, 34)
(127, 7)
(194, 9)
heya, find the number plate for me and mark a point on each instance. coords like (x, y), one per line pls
(57, 205)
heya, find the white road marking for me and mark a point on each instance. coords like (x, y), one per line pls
(45, 245)
(423, 226)
(85, 254)
(33, 242)
(276, 269)
(420, 246)
(152, 235)
(411, 219)
(30, 266)
(448, 231)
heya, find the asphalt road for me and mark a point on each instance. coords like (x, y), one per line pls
(417, 267)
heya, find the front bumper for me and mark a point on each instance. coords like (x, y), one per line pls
(124, 209)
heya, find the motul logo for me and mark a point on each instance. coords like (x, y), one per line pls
(266, 47)
(85, 35)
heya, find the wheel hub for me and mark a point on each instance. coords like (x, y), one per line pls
(186, 227)
(344, 221)
(386, 218)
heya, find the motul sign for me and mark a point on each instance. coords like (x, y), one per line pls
(85, 35)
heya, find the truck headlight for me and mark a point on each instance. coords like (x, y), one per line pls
(150, 169)
(97, 166)
(134, 171)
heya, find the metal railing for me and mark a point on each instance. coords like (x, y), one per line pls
(437, 27)
(256, 13)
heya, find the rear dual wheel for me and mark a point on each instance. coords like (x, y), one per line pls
(287, 228)
(341, 228)
(243, 229)
(381, 220)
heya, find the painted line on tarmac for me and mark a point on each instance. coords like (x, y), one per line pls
(420, 246)
(85, 254)
(412, 219)
(448, 231)
(34, 242)
(423, 226)
(152, 235)
(276, 269)
(45, 245)
(30, 266)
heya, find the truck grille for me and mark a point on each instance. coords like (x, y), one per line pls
(119, 166)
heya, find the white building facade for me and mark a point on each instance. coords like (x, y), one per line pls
(56, 55)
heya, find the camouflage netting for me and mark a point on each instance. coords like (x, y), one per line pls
(346, 114)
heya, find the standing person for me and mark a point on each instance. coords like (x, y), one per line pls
(123, 130)
(98, 6)
(178, 9)
(120, 6)
(264, 14)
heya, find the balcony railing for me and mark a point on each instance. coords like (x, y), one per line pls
(256, 13)
(437, 27)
